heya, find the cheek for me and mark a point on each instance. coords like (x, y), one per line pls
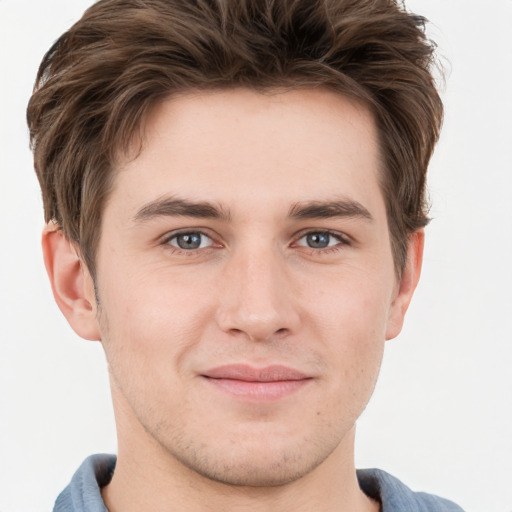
(149, 324)
(353, 304)
(350, 317)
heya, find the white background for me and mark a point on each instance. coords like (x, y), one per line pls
(441, 417)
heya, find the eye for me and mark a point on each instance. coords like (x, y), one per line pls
(189, 241)
(319, 240)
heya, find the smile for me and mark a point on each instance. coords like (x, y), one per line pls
(257, 384)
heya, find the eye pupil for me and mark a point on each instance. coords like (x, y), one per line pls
(318, 240)
(189, 241)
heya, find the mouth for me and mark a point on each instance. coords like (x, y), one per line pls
(256, 384)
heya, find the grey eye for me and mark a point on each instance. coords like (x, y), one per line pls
(190, 241)
(319, 240)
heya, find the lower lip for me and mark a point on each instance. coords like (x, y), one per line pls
(258, 391)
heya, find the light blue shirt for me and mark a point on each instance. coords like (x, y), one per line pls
(83, 494)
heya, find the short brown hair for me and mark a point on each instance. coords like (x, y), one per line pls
(101, 77)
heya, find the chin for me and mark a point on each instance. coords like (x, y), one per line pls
(245, 471)
(264, 460)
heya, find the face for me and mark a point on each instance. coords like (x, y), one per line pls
(246, 283)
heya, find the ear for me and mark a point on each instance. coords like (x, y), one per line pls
(71, 282)
(406, 284)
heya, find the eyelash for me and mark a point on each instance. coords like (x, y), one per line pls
(187, 252)
(342, 241)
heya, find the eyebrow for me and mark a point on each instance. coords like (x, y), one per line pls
(173, 206)
(330, 209)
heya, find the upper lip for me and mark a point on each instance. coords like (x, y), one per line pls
(244, 372)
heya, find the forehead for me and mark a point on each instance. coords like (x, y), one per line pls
(240, 147)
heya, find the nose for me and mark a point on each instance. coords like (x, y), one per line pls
(257, 297)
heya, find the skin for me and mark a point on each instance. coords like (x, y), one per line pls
(255, 292)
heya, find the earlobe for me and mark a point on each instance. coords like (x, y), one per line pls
(407, 284)
(71, 282)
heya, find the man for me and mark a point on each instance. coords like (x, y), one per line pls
(234, 196)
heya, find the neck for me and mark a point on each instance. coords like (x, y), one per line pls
(148, 477)
(146, 481)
